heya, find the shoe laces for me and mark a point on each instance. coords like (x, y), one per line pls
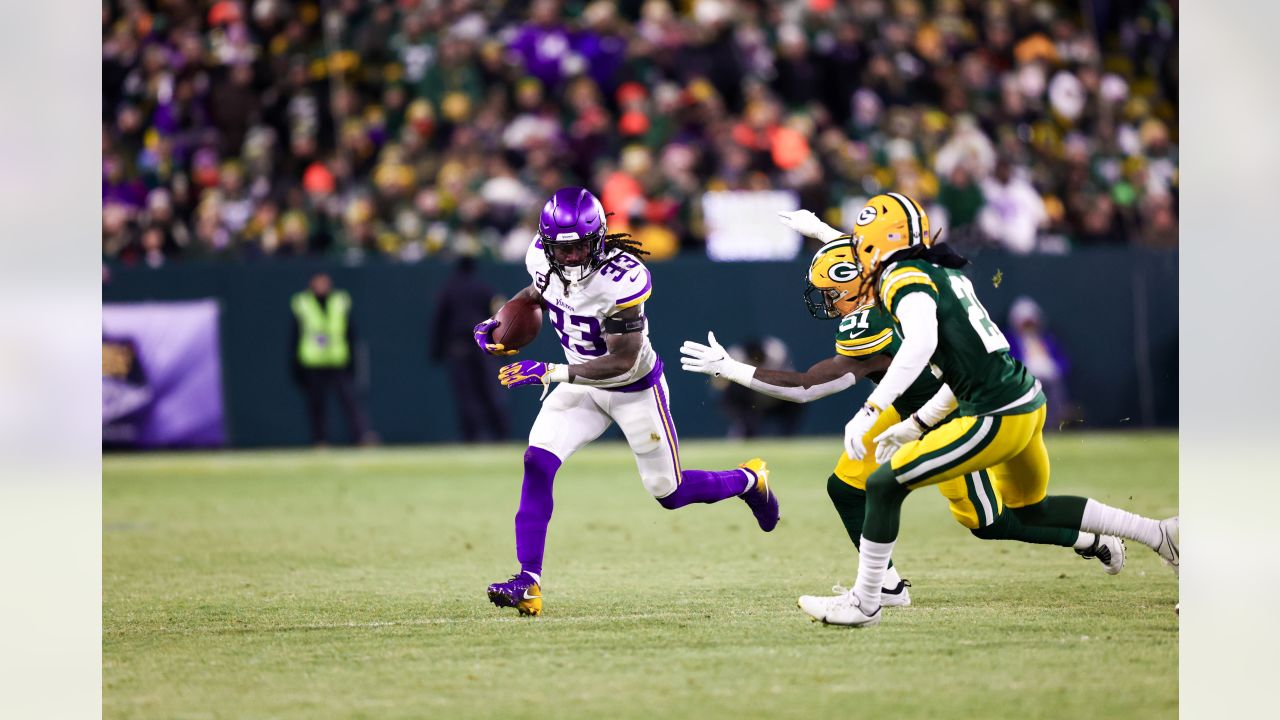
(848, 599)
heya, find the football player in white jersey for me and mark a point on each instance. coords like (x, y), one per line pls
(592, 287)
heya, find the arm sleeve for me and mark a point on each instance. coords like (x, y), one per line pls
(535, 262)
(938, 407)
(802, 394)
(917, 313)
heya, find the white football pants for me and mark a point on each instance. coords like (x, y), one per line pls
(574, 415)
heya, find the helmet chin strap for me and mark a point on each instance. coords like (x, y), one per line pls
(578, 273)
(835, 308)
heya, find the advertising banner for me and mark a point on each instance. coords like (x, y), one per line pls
(161, 375)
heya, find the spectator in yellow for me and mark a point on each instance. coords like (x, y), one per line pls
(323, 354)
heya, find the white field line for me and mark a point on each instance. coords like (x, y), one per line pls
(417, 622)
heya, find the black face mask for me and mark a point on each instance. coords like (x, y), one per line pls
(571, 254)
(591, 257)
(819, 303)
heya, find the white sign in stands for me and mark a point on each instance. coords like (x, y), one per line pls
(743, 225)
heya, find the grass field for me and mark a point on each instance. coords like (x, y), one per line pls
(351, 584)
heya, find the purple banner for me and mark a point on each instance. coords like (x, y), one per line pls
(161, 375)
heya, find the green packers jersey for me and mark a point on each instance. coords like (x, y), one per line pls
(867, 332)
(972, 355)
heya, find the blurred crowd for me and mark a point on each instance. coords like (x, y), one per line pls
(413, 128)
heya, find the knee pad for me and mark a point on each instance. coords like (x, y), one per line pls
(659, 484)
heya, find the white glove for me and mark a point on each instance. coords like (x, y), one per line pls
(712, 359)
(856, 428)
(888, 442)
(809, 225)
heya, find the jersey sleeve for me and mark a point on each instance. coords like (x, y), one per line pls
(864, 332)
(903, 279)
(535, 261)
(632, 281)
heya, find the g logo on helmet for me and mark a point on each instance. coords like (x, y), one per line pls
(867, 215)
(843, 272)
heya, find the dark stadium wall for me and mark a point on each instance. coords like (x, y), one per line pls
(1114, 310)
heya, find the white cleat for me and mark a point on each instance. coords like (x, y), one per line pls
(896, 597)
(1169, 542)
(845, 609)
(1108, 550)
(889, 597)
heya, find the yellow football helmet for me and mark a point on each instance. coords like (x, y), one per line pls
(835, 281)
(888, 223)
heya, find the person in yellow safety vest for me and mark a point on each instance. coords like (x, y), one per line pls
(323, 352)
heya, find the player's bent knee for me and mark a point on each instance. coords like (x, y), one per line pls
(882, 483)
(1033, 514)
(674, 499)
(986, 532)
(661, 487)
(542, 458)
(835, 488)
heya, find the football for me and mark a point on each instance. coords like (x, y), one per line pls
(518, 323)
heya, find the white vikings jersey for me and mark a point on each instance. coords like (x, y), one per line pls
(578, 311)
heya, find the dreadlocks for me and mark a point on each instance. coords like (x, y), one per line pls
(938, 253)
(625, 243)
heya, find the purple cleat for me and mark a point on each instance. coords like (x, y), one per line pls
(521, 592)
(760, 498)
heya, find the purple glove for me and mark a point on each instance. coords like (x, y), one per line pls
(483, 334)
(524, 372)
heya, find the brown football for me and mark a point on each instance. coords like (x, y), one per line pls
(518, 324)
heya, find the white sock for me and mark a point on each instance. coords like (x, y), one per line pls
(751, 481)
(1107, 520)
(891, 578)
(536, 577)
(1084, 541)
(872, 565)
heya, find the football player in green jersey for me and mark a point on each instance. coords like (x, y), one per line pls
(864, 344)
(999, 423)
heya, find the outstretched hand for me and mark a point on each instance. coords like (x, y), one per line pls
(710, 359)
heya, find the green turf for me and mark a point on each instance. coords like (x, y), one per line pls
(351, 584)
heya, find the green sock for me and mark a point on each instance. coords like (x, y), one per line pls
(1061, 511)
(884, 505)
(1008, 527)
(851, 504)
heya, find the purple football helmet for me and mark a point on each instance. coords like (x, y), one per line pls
(572, 229)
